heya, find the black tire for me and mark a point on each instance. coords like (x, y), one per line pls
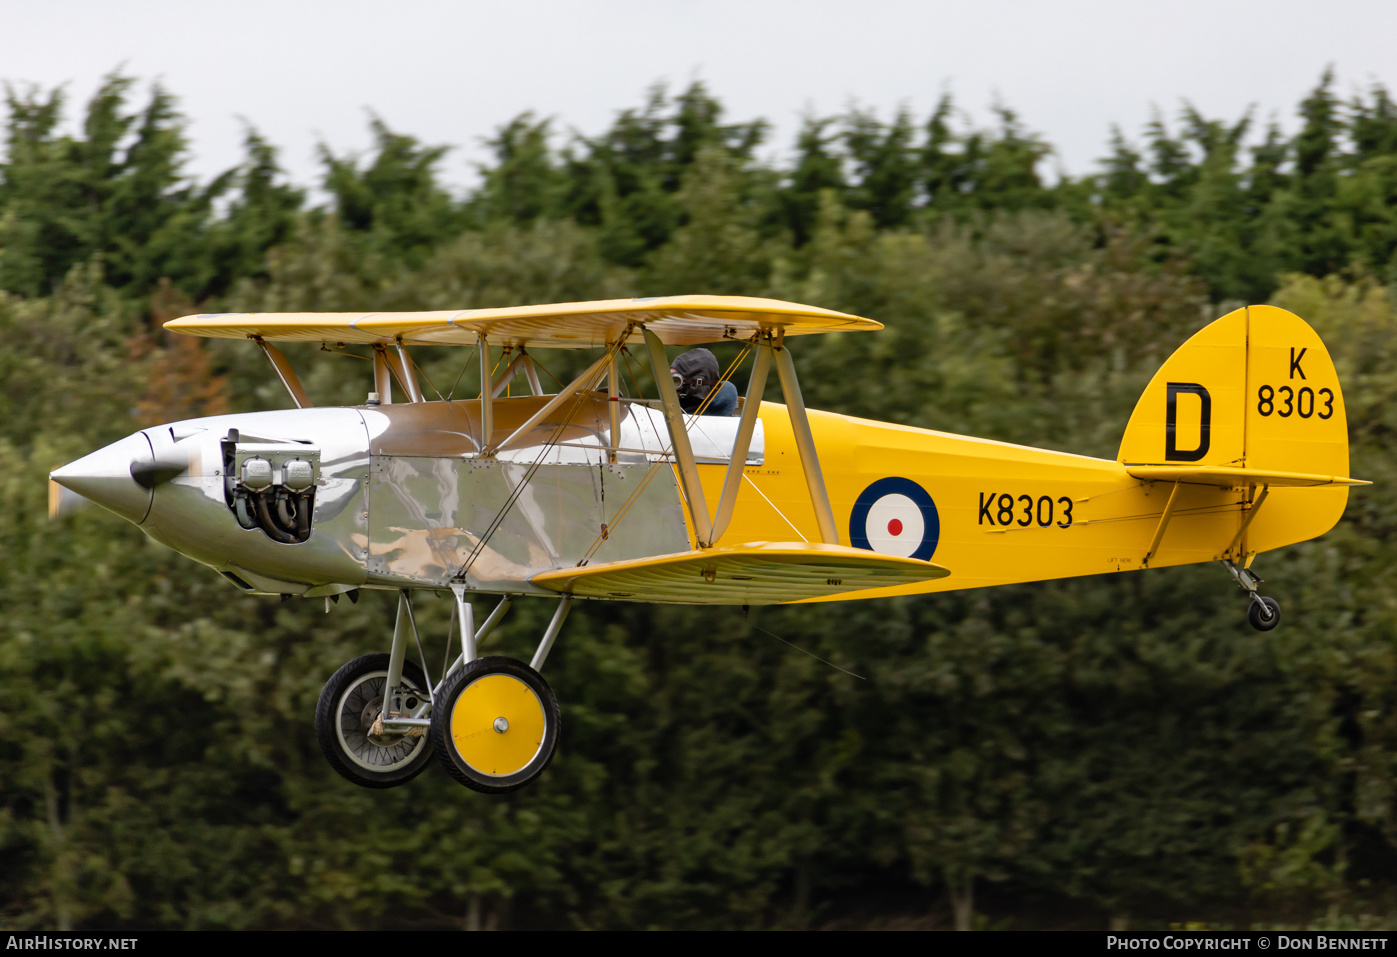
(1264, 615)
(495, 765)
(349, 703)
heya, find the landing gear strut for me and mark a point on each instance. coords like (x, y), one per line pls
(492, 722)
(1262, 613)
(495, 722)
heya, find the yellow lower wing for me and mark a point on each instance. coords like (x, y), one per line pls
(757, 573)
(1229, 477)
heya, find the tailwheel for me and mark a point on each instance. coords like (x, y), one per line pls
(346, 724)
(495, 724)
(1264, 613)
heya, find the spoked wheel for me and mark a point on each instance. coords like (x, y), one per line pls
(495, 725)
(344, 719)
(1264, 614)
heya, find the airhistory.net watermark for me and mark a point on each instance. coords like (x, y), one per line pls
(56, 942)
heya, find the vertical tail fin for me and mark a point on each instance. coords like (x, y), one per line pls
(1255, 389)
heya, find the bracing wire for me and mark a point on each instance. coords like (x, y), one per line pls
(421, 373)
(550, 375)
(655, 467)
(462, 372)
(635, 383)
(584, 389)
(508, 386)
(811, 654)
(528, 477)
(491, 384)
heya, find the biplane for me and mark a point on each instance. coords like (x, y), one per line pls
(1239, 445)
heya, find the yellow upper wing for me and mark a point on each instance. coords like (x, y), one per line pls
(677, 320)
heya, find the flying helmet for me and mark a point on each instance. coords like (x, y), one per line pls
(695, 373)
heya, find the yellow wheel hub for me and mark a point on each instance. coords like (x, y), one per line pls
(487, 743)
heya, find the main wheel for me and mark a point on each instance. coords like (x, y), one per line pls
(350, 704)
(1264, 614)
(495, 725)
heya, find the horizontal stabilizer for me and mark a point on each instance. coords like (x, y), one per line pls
(758, 573)
(1232, 477)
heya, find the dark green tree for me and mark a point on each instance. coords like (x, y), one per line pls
(117, 192)
(818, 168)
(394, 203)
(883, 167)
(526, 181)
(261, 215)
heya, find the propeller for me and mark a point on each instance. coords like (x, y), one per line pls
(155, 472)
(121, 478)
(64, 502)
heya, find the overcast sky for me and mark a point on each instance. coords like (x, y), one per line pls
(451, 72)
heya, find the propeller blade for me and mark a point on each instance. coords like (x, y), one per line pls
(64, 501)
(158, 471)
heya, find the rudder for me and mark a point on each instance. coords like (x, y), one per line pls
(1295, 423)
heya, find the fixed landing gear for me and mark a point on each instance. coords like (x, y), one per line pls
(496, 722)
(492, 722)
(495, 725)
(1262, 613)
(349, 728)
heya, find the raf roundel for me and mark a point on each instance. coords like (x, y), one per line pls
(895, 516)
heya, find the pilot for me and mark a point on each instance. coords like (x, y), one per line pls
(695, 374)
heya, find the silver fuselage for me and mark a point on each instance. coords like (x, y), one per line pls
(401, 496)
